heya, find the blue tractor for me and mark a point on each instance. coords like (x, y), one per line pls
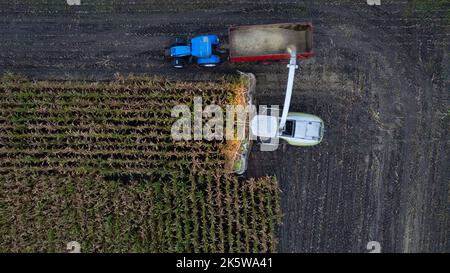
(204, 50)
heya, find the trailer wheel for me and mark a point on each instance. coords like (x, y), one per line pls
(178, 63)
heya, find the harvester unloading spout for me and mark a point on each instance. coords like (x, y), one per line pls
(290, 85)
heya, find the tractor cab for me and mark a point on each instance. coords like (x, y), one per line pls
(200, 49)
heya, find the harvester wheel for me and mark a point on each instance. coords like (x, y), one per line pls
(178, 63)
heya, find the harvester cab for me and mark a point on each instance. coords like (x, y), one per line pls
(200, 49)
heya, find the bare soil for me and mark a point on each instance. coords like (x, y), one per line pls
(379, 80)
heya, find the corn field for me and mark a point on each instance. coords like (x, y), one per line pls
(95, 163)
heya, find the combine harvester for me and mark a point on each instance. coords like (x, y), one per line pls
(274, 42)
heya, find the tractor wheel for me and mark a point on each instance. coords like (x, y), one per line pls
(167, 53)
(179, 41)
(210, 65)
(178, 63)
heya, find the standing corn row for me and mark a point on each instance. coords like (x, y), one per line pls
(95, 163)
